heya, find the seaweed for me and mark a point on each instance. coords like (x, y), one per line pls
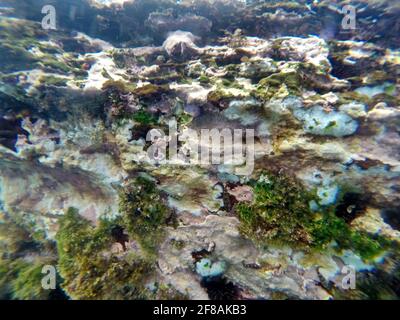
(53, 81)
(144, 213)
(144, 118)
(88, 271)
(23, 254)
(281, 214)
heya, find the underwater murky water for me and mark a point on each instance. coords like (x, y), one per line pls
(210, 149)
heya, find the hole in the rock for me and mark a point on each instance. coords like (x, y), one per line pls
(392, 217)
(117, 232)
(58, 294)
(198, 255)
(228, 199)
(9, 131)
(218, 288)
(139, 131)
(351, 206)
(343, 71)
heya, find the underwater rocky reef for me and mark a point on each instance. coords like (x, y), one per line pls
(319, 200)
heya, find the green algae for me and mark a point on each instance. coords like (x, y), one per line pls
(278, 84)
(352, 96)
(21, 261)
(87, 270)
(16, 39)
(144, 118)
(184, 118)
(220, 98)
(22, 59)
(118, 86)
(151, 90)
(291, 80)
(57, 65)
(178, 244)
(27, 285)
(204, 79)
(281, 221)
(167, 292)
(83, 262)
(280, 215)
(53, 81)
(331, 228)
(144, 213)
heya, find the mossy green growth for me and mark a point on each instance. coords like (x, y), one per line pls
(351, 96)
(54, 64)
(89, 268)
(151, 90)
(21, 58)
(53, 81)
(281, 214)
(145, 118)
(167, 292)
(105, 74)
(220, 97)
(16, 38)
(292, 80)
(229, 83)
(22, 261)
(144, 213)
(369, 246)
(184, 118)
(22, 280)
(328, 228)
(178, 244)
(204, 79)
(118, 86)
(27, 285)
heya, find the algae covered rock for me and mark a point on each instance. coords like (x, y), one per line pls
(281, 88)
(319, 122)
